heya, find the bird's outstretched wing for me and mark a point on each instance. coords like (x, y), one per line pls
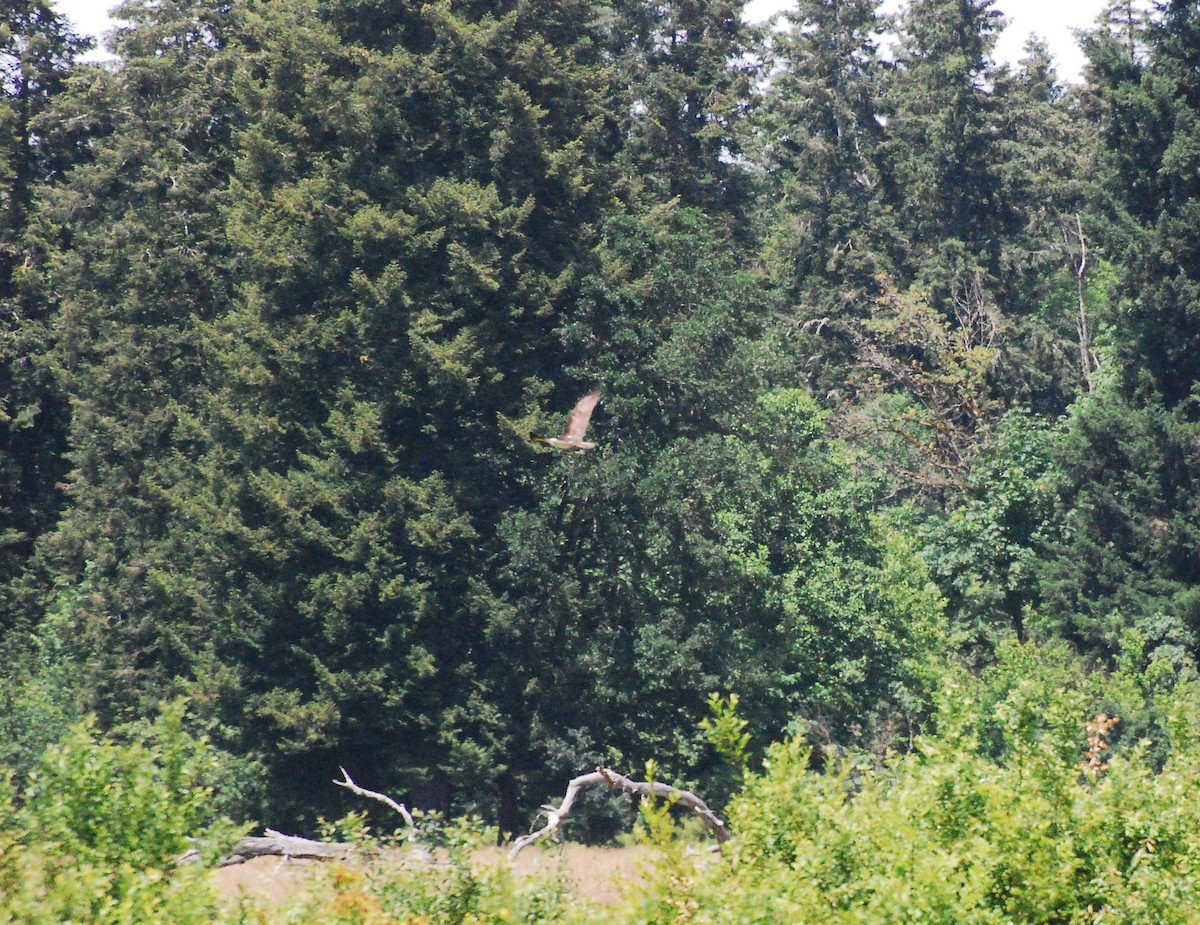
(581, 415)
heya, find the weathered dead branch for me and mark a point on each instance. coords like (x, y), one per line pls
(637, 788)
(1075, 242)
(277, 845)
(349, 784)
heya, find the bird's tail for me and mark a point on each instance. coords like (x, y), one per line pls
(538, 437)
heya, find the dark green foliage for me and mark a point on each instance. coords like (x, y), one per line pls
(284, 289)
(716, 542)
(36, 54)
(944, 144)
(988, 550)
(1126, 552)
(1146, 93)
(821, 133)
(1126, 556)
(133, 268)
(291, 323)
(684, 81)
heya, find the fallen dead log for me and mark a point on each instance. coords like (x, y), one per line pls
(277, 845)
(637, 788)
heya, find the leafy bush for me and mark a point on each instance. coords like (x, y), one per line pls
(1016, 809)
(1043, 793)
(94, 834)
(393, 885)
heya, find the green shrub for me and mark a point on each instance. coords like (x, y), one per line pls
(94, 834)
(1048, 824)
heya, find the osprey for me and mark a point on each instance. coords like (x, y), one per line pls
(572, 438)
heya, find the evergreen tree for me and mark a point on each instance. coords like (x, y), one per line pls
(820, 131)
(829, 234)
(1045, 285)
(37, 52)
(312, 276)
(684, 75)
(943, 147)
(1127, 554)
(1147, 113)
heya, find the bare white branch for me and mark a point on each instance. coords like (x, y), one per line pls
(349, 784)
(637, 788)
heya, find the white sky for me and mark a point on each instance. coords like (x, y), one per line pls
(1051, 19)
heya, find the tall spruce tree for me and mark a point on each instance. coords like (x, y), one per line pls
(132, 263)
(944, 144)
(819, 131)
(685, 80)
(37, 52)
(1044, 286)
(313, 274)
(1150, 127)
(1128, 556)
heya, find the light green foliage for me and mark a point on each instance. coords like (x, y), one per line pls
(727, 731)
(955, 833)
(38, 696)
(922, 396)
(1033, 797)
(94, 833)
(667, 894)
(1029, 799)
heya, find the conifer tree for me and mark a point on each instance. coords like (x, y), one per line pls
(314, 272)
(1148, 120)
(1127, 553)
(830, 235)
(685, 81)
(37, 52)
(820, 132)
(944, 144)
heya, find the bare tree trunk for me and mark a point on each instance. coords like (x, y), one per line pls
(1087, 358)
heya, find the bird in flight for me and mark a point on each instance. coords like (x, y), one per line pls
(572, 438)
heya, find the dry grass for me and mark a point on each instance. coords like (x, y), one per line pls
(267, 880)
(602, 875)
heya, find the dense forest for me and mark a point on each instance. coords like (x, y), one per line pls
(899, 351)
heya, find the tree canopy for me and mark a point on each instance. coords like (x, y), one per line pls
(896, 349)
